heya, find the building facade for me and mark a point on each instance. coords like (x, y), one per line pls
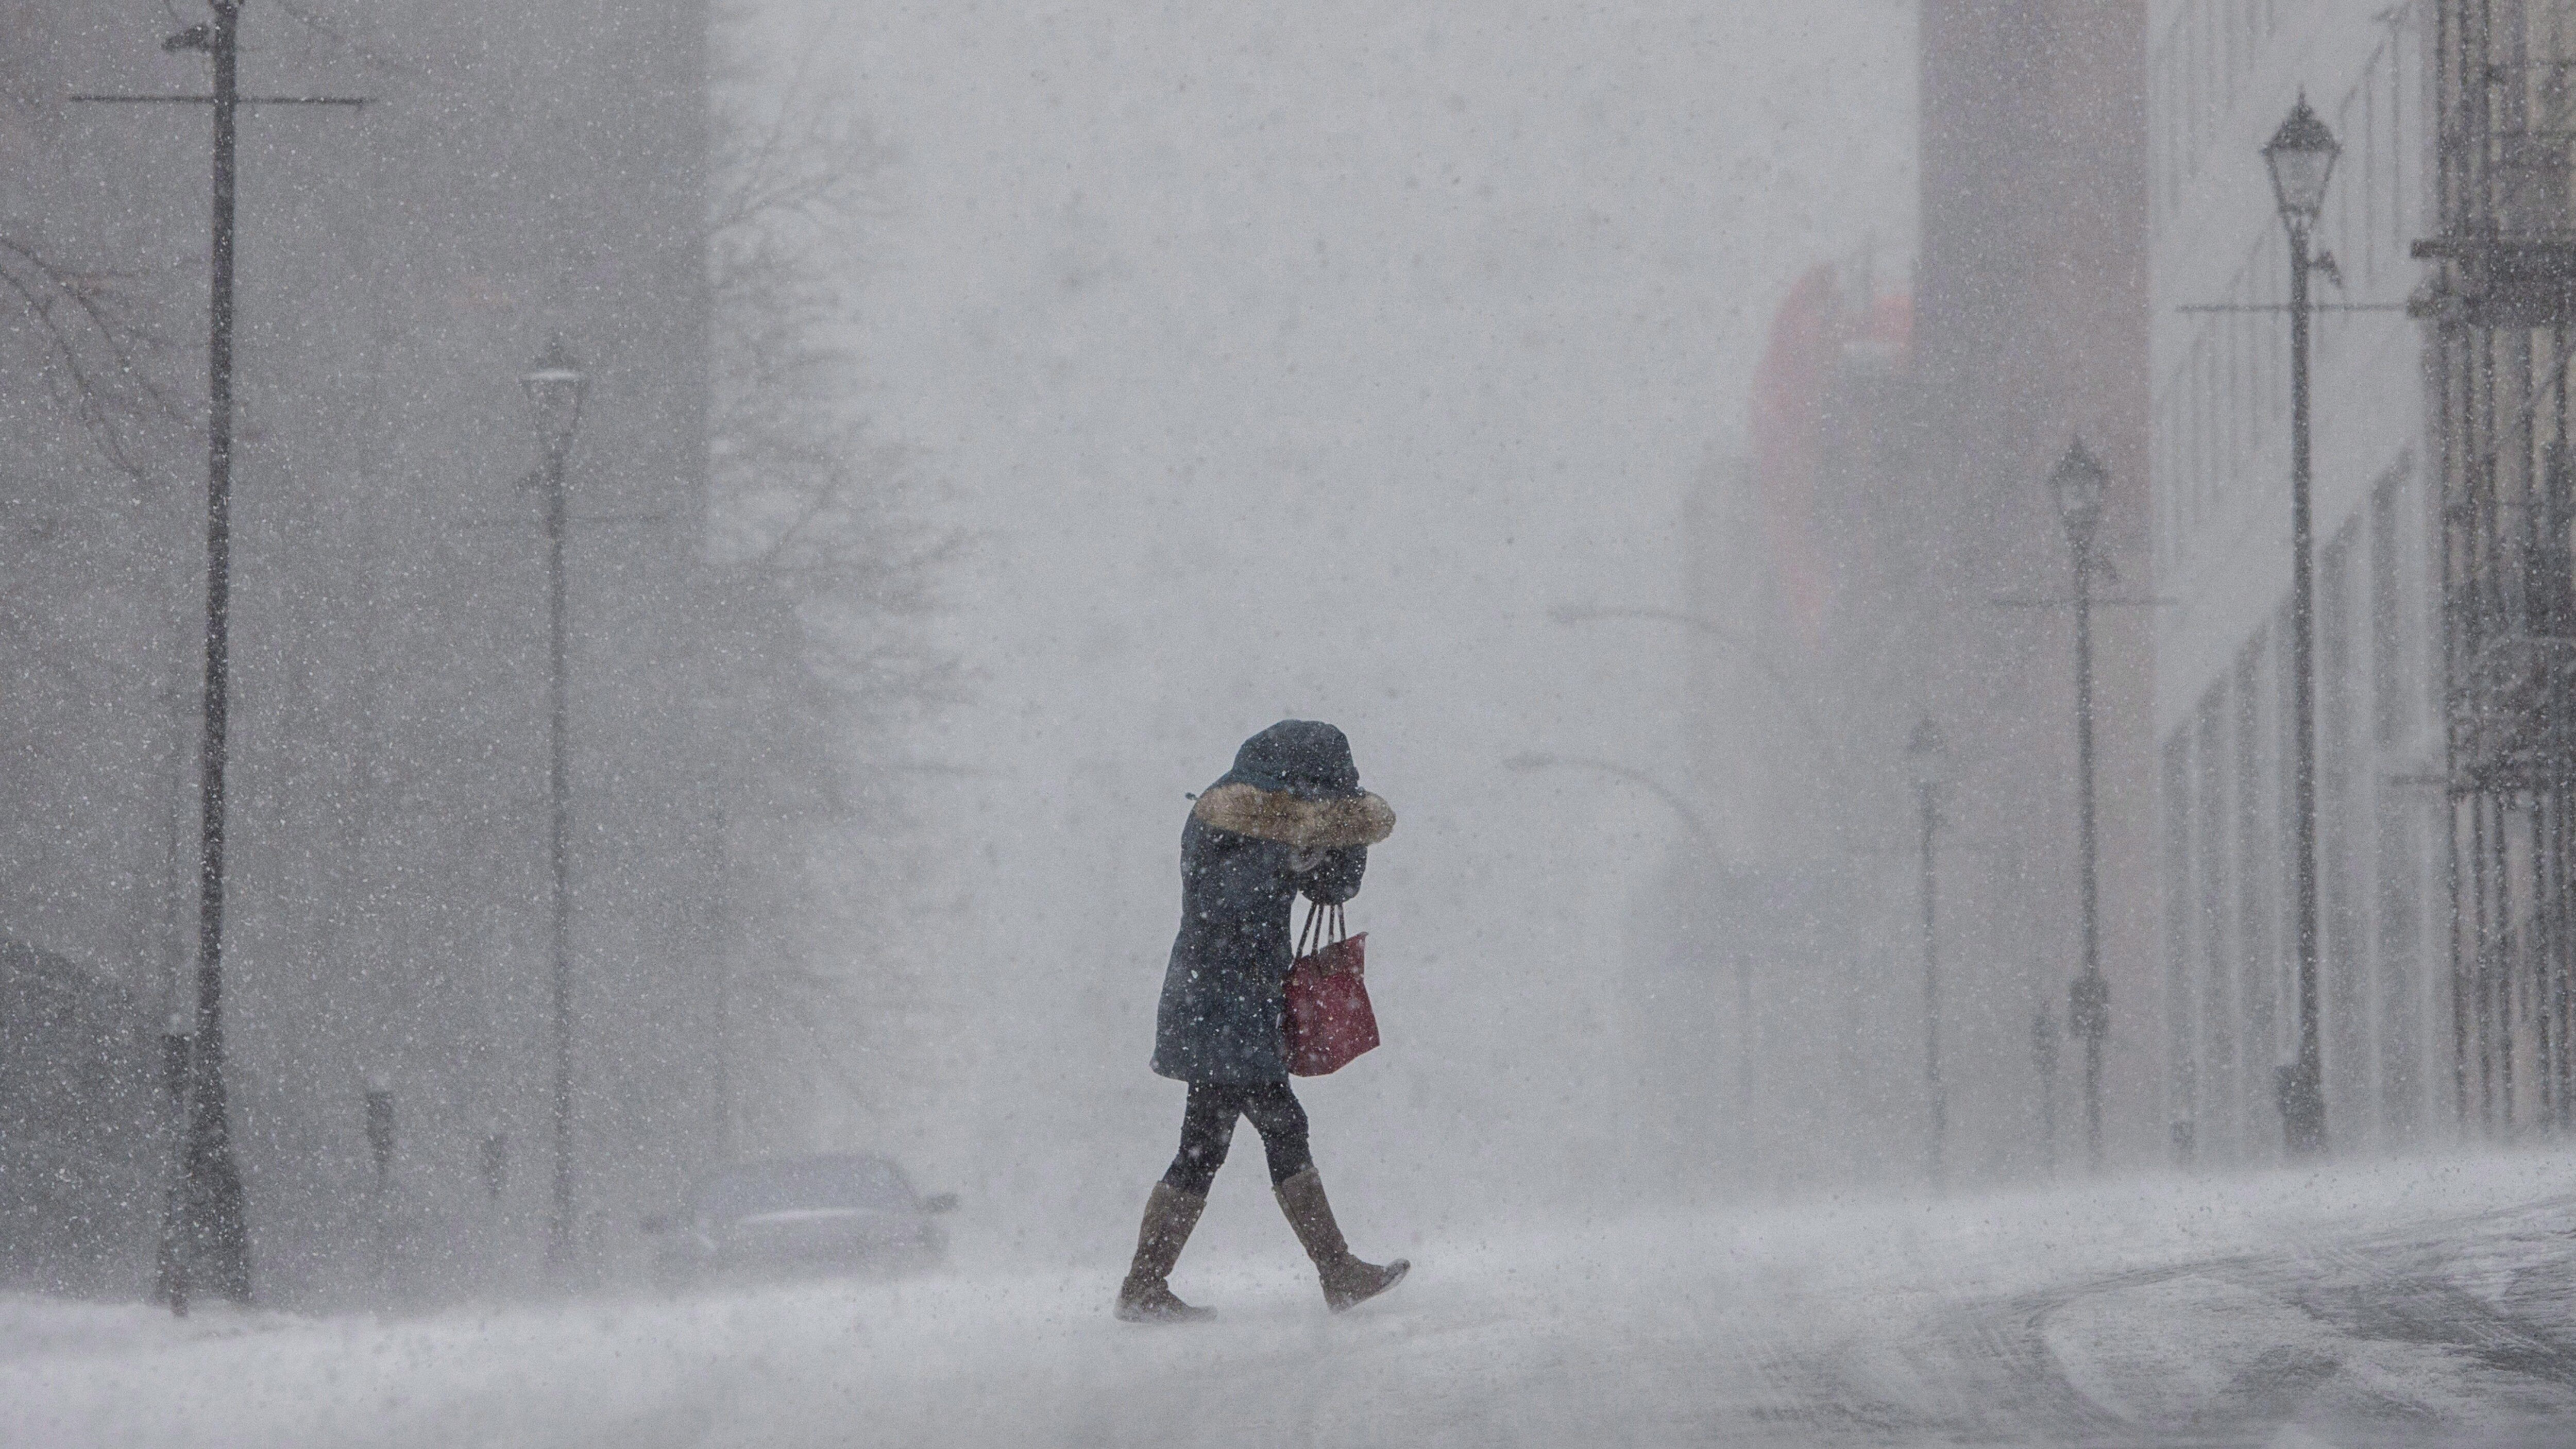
(2031, 331)
(1894, 537)
(2223, 77)
(2500, 297)
(82, 1142)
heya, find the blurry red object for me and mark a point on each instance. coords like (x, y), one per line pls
(1330, 1022)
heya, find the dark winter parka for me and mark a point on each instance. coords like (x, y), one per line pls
(1293, 799)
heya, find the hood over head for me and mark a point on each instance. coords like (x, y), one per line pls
(1306, 758)
(1295, 783)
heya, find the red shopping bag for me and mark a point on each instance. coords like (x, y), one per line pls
(1330, 1022)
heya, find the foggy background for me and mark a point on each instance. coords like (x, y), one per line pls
(1297, 365)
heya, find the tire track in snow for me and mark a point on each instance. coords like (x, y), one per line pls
(2363, 1302)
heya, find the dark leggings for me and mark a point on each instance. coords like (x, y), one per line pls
(1207, 1129)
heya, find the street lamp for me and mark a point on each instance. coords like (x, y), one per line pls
(2301, 157)
(555, 386)
(2078, 481)
(1928, 759)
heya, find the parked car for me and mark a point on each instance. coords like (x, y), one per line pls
(796, 1217)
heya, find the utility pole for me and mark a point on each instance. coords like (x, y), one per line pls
(209, 1203)
(205, 1240)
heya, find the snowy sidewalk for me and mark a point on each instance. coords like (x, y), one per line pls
(2414, 1302)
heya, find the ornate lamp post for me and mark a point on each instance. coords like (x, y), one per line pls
(2078, 481)
(1928, 759)
(2301, 157)
(555, 386)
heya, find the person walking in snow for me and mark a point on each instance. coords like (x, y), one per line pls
(1289, 818)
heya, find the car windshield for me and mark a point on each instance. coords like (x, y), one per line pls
(806, 1182)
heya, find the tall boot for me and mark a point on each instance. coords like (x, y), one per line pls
(1146, 1296)
(1346, 1279)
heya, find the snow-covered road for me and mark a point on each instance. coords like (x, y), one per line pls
(2416, 1302)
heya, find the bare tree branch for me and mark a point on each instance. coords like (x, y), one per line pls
(94, 337)
(816, 522)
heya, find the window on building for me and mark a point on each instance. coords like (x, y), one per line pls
(2224, 51)
(2350, 124)
(2390, 715)
(2178, 918)
(2369, 239)
(2275, 269)
(2231, 392)
(2344, 771)
(2258, 867)
(2389, 155)
(2402, 880)
(2335, 653)
(2213, 411)
(2245, 329)
(2216, 959)
(2164, 461)
(2203, 99)
(2284, 801)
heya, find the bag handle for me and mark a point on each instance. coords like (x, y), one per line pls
(1320, 919)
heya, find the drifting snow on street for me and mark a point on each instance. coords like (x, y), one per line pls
(2410, 1303)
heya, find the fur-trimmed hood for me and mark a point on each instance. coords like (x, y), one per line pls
(1362, 819)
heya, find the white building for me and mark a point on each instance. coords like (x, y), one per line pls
(2223, 74)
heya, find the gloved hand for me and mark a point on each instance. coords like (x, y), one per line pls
(1303, 861)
